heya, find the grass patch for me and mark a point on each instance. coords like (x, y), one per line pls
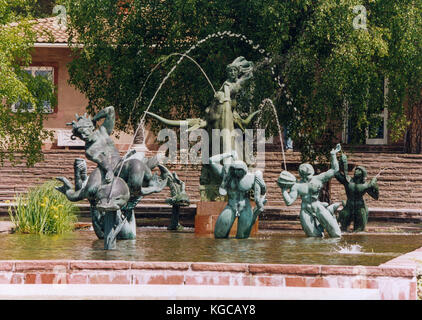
(43, 210)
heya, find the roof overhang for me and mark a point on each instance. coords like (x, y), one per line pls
(56, 45)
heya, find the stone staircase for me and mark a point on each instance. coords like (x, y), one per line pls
(400, 183)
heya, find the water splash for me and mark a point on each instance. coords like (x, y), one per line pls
(349, 249)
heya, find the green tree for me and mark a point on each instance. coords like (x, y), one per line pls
(336, 65)
(43, 8)
(21, 132)
(322, 63)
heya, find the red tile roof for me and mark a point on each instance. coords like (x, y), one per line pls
(50, 31)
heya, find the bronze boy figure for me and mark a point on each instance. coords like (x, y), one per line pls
(355, 208)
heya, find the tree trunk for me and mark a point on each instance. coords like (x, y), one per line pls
(414, 132)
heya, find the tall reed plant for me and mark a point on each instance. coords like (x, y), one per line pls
(43, 210)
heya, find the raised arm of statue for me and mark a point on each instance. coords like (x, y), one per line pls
(242, 123)
(109, 117)
(192, 124)
(68, 190)
(345, 164)
(325, 176)
(215, 161)
(245, 76)
(343, 177)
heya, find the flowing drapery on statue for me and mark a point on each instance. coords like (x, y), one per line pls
(315, 216)
(221, 115)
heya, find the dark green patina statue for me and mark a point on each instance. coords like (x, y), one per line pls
(237, 183)
(355, 208)
(179, 197)
(116, 185)
(315, 216)
(221, 115)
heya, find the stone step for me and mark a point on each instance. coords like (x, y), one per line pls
(400, 184)
(179, 292)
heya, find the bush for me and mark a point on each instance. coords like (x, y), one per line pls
(43, 210)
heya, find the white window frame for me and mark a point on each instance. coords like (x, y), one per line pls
(33, 70)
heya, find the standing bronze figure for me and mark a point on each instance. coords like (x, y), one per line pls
(355, 209)
(238, 183)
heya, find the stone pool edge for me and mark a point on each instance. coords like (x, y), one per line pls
(395, 279)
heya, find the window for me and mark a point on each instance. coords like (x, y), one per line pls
(47, 72)
(377, 133)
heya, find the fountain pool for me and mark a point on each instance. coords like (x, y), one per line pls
(157, 244)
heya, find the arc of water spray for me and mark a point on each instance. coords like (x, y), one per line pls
(382, 169)
(141, 122)
(160, 63)
(196, 45)
(218, 34)
(262, 105)
(182, 55)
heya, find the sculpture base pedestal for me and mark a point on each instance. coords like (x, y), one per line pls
(207, 213)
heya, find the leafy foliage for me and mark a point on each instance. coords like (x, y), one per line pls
(43, 210)
(329, 70)
(20, 132)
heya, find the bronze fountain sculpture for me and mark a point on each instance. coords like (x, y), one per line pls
(116, 185)
(355, 208)
(237, 183)
(315, 216)
(232, 178)
(220, 115)
(179, 197)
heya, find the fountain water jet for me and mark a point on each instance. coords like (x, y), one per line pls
(223, 96)
(142, 121)
(185, 54)
(261, 106)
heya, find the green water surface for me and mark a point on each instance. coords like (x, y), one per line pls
(158, 244)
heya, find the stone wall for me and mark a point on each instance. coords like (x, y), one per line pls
(393, 282)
